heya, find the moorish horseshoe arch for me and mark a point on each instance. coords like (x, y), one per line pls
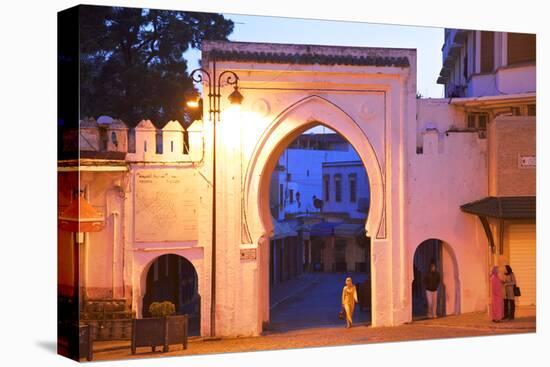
(143, 261)
(294, 120)
(451, 272)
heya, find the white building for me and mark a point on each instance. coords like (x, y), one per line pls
(495, 72)
(298, 177)
(346, 188)
(484, 63)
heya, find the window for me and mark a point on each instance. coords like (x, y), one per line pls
(291, 195)
(465, 65)
(474, 49)
(478, 121)
(521, 48)
(487, 54)
(471, 121)
(482, 122)
(326, 186)
(103, 139)
(531, 110)
(172, 146)
(338, 188)
(281, 197)
(114, 139)
(307, 173)
(352, 187)
(288, 177)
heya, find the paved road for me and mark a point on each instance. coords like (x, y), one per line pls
(473, 324)
(316, 306)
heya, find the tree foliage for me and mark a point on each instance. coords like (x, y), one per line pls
(132, 64)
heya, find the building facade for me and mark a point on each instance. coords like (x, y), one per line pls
(298, 178)
(427, 166)
(495, 74)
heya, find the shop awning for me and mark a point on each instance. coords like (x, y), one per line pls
(323, 229)
(284, 229)
(501, 208)
(505, 207)
(80, 216)
(349, 230)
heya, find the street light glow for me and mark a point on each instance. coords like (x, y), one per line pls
(192, 98)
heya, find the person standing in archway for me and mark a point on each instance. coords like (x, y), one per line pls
(497, 302)
(431, 282)
(349, 299)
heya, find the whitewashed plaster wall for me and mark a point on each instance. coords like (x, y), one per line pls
(166, 207)
(102, 254)
(451, 171)
(370, 106)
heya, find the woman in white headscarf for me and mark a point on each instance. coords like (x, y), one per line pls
(349, 299)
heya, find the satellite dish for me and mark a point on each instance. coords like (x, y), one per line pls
(104, 120)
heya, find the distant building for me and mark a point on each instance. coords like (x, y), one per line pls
(494, 74)
(323, 168)
(484, 63)
(346, 189)
(298, 175)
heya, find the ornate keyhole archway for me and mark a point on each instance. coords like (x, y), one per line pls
(293, 121)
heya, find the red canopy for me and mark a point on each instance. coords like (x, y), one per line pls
(80, 216)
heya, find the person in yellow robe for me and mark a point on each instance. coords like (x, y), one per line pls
(349, 299)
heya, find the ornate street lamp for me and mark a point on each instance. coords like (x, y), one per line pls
(214, 84)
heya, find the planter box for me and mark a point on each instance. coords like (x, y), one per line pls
(159, 331)
(85, 344)
(177, 328)
(111, 329)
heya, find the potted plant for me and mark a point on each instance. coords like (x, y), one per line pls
(162, 309)
(161, 329)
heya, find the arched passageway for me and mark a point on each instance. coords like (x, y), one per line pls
(292, 122)
(319, 201)
(174, 278)
(448, 296)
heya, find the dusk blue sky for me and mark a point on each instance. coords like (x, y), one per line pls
(426, 40)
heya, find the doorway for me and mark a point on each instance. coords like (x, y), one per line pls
(448, 297)
(173, 278)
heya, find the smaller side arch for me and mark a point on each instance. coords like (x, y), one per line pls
(142, 262)
(449, 292)
(173, 278)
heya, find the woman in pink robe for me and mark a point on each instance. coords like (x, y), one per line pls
(497, 303)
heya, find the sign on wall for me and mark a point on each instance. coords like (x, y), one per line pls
(165, 206)
(527, 161)
(248, 254)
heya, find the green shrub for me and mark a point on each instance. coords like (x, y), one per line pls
(162, 309)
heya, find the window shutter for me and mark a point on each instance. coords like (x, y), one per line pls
(487, 54)
(521, 48)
